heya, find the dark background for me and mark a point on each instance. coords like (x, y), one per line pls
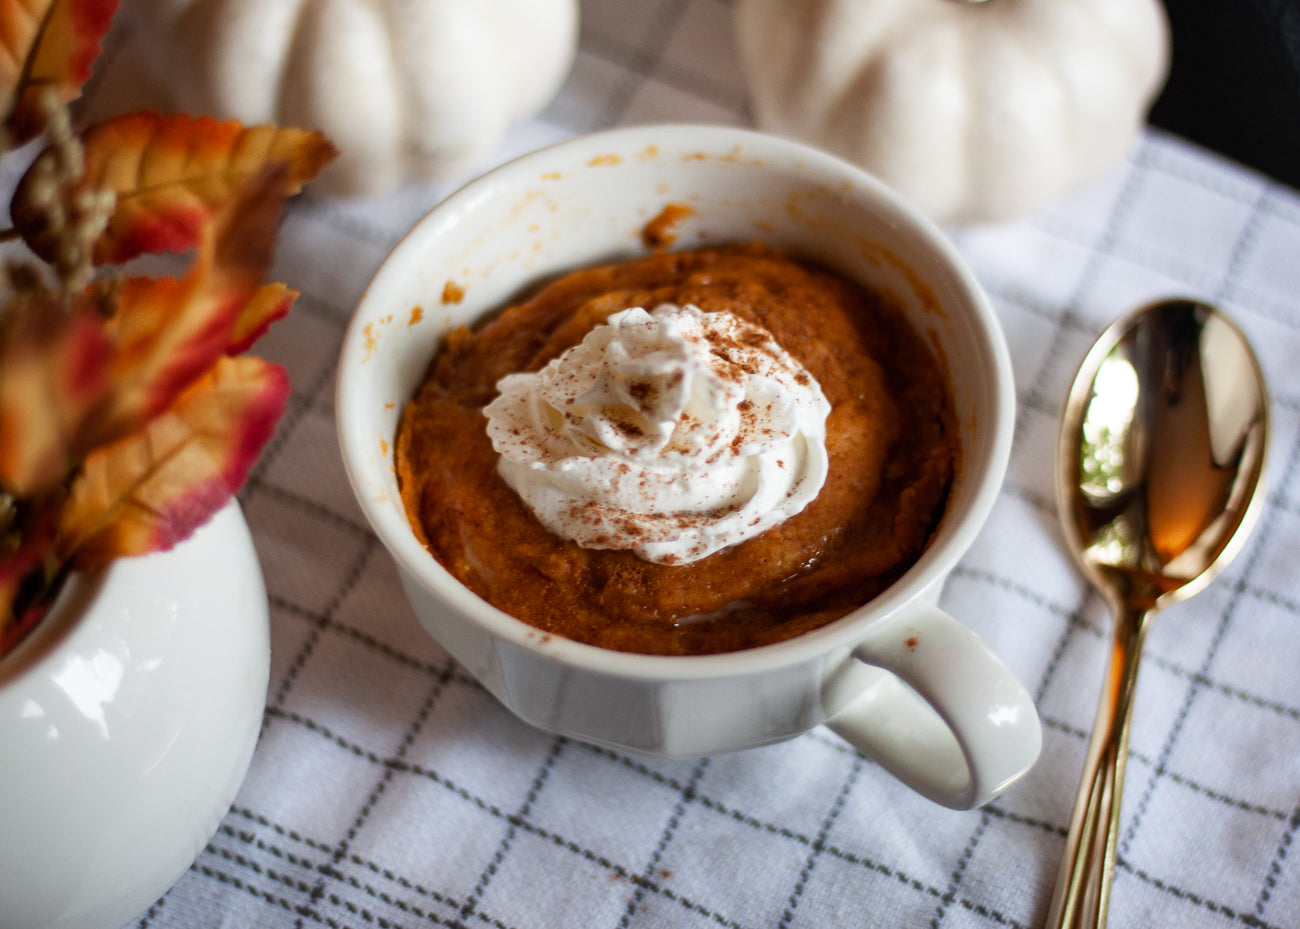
(1234, 81)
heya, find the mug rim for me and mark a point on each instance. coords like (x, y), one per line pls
(390, 522)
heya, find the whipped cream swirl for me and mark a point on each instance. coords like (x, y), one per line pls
(673, 433)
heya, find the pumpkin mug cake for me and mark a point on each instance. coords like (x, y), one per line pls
(756, 464)
(687, 453)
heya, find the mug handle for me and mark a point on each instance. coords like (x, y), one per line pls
(950, 720)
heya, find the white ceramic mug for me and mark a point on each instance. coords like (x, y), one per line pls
(898, 678)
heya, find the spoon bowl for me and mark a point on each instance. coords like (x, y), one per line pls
(1159, 464)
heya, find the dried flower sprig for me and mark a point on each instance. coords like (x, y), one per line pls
(75, 216)
(128, 414)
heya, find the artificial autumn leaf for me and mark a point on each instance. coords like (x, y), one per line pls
(71, 380)
(169, 331)
(169, 173)
(270, 303)
(46, 45)
(154, 488)
(54, 372)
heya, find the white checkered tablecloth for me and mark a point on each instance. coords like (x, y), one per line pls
(390, 790)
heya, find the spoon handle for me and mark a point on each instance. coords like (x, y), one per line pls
(1082, 896)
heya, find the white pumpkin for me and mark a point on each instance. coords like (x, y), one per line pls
(406, 89)
(972, 111)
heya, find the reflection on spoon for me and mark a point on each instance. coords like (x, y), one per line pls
(1159, 465)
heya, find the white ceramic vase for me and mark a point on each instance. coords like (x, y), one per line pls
(127, 722)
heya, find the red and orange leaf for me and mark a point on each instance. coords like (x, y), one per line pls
(170, 174)
(153, 489)
(46, 44)
(167, 332)
(54, 372)
(270, 303)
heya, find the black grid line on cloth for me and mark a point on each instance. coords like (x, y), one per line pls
(1158, 159)
(1042, 825)
(323, 309)
(457, 673)
(339, 902)
(1267, 201)
(643, 881)
(993, 808)
(1100, 251)
(327, 211)
(1182, 780)
(819, 843)
(227, 880)
(368, 916)
(1196, 899)
(1154, 164)
(701, 87)
(370, 546)
(1196, 277)
(333, 899)
(1074, 731)
(616, 50)
(330, 871)
(498, 856)
(1016, 295)
(927, 890)
(307, 505)
(248, 837)
(294, 885)
(818, 736)
(1275, 866)
(1236, 693)
(686, 795)
(1262, 532)
(959, 870)
(1012, 294)
(642, 58)
(299, 403)
(149, 915)
(849, 857)
(1194, 176)
(1042, 504)
(1175, 669)
(1242, 248)
(327, 307)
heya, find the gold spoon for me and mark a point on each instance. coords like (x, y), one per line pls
(1159, 463)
